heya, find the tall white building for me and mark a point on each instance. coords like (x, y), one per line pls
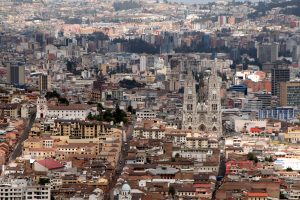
(202, 114)
(143, 63)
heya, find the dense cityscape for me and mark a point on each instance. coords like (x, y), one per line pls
(149, 100)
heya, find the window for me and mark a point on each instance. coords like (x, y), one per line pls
(214, 119)
(214, 96)
(214, 107)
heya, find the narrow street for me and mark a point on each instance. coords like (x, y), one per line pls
(122, 159)
(222, 169)
(18, 148)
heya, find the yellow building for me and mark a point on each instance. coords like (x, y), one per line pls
(78, 129)
(293, 135)
(9, 110)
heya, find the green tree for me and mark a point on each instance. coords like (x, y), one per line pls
(130, 109)
(289, 169)
(63, 100)
(52, 94)
(99, 107)
(172, 191)
(119, 115)
(44, 180)
(252, 156)
(269, 159)
(282, 196)
(90, 116)
(107, 116)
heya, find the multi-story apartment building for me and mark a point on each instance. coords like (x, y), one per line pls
(146, 114)
(267, 52)
(279, 74)
(19, 189)
(80, 129)
(149, 133)
(290, 93)
(9, 110)
(293, 135)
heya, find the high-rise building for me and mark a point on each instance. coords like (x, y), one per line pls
(222, 20)
(290, 93)
(44, 83)
(16, 74)
(143, 63)
(278, 75)
(267, 52)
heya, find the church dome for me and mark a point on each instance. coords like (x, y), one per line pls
(126, 187)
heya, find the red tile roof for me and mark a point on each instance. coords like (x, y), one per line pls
(257, 194)
(50, 164)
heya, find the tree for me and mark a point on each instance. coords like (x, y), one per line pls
(44, 180)
(90, 116)
(269, 159)
(126, 5)
(100, 108)
(282, 195)
(107, 116)
(71, 65)
(63, 100)
(119, 115)
(130, 84)
(52, 94)
(289, 169)
(172, 191)
(130, 109)
(252, 156)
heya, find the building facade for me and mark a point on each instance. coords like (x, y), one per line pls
(290, 93)
(202, 114)
(16, 74)
(267, 52)
(19, 190)
(278, 75)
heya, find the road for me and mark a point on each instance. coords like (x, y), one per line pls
(122, 160)
(222, 168)
(19, 146)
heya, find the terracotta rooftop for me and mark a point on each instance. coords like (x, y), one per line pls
(50, 164)
(70, 107)
(257, 194)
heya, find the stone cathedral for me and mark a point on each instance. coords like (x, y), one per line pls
(202, 112)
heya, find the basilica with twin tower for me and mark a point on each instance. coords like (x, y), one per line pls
(202, 110)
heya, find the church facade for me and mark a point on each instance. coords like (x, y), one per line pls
(202, 113)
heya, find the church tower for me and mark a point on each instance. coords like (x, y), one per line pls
(189, 103)
(202, 113)
(214, 103)
(41, 108)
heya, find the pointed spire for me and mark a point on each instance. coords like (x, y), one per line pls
(214, 69)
